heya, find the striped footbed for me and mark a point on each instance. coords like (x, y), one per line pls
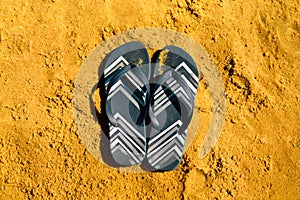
(126, 105)
(173, 104)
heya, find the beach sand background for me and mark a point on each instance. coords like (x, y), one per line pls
(256, 47)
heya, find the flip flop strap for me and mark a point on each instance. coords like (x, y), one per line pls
(121, 72)
(163, 78)
(191, 95)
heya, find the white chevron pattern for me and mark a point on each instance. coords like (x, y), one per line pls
(119, 62)
(166, 147)
(127, 142)
(112, 68)
(133, 132)
(120, 87)
(193, 80)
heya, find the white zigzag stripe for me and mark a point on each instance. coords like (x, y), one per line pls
(186, 67)
(134, 140)
(178, 122)
(133, 82)
(111, 69)
(162, 96)
(177, 90)
(171, 133)
(181, 138)
(161, 102)
(127, 140)
(196, 79)
(119, 116)
(116, 133)
(121, 138)
(161, 107)
(193, 88)
(158, 97)
(119, 86)
(135, 78)
(174, 149)
(180, 93)
(164, 163)
(158, 92)
(171, 82)
(167, 157)
(124, 148)
(174, 140)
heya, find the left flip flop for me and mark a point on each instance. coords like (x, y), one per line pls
(126, 75)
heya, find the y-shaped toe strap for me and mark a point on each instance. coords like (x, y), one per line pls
(143, 109)
(188, 115)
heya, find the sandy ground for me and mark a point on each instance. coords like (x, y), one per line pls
(256, 47)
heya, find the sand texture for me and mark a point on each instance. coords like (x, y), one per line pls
(255, 46)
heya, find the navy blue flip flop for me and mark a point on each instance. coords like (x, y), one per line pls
(172, 103)
(126, 75)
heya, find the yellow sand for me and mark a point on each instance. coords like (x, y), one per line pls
(256, 46)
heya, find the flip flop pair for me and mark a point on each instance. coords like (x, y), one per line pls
(149, 107)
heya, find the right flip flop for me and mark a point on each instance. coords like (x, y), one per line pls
(176, 80)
